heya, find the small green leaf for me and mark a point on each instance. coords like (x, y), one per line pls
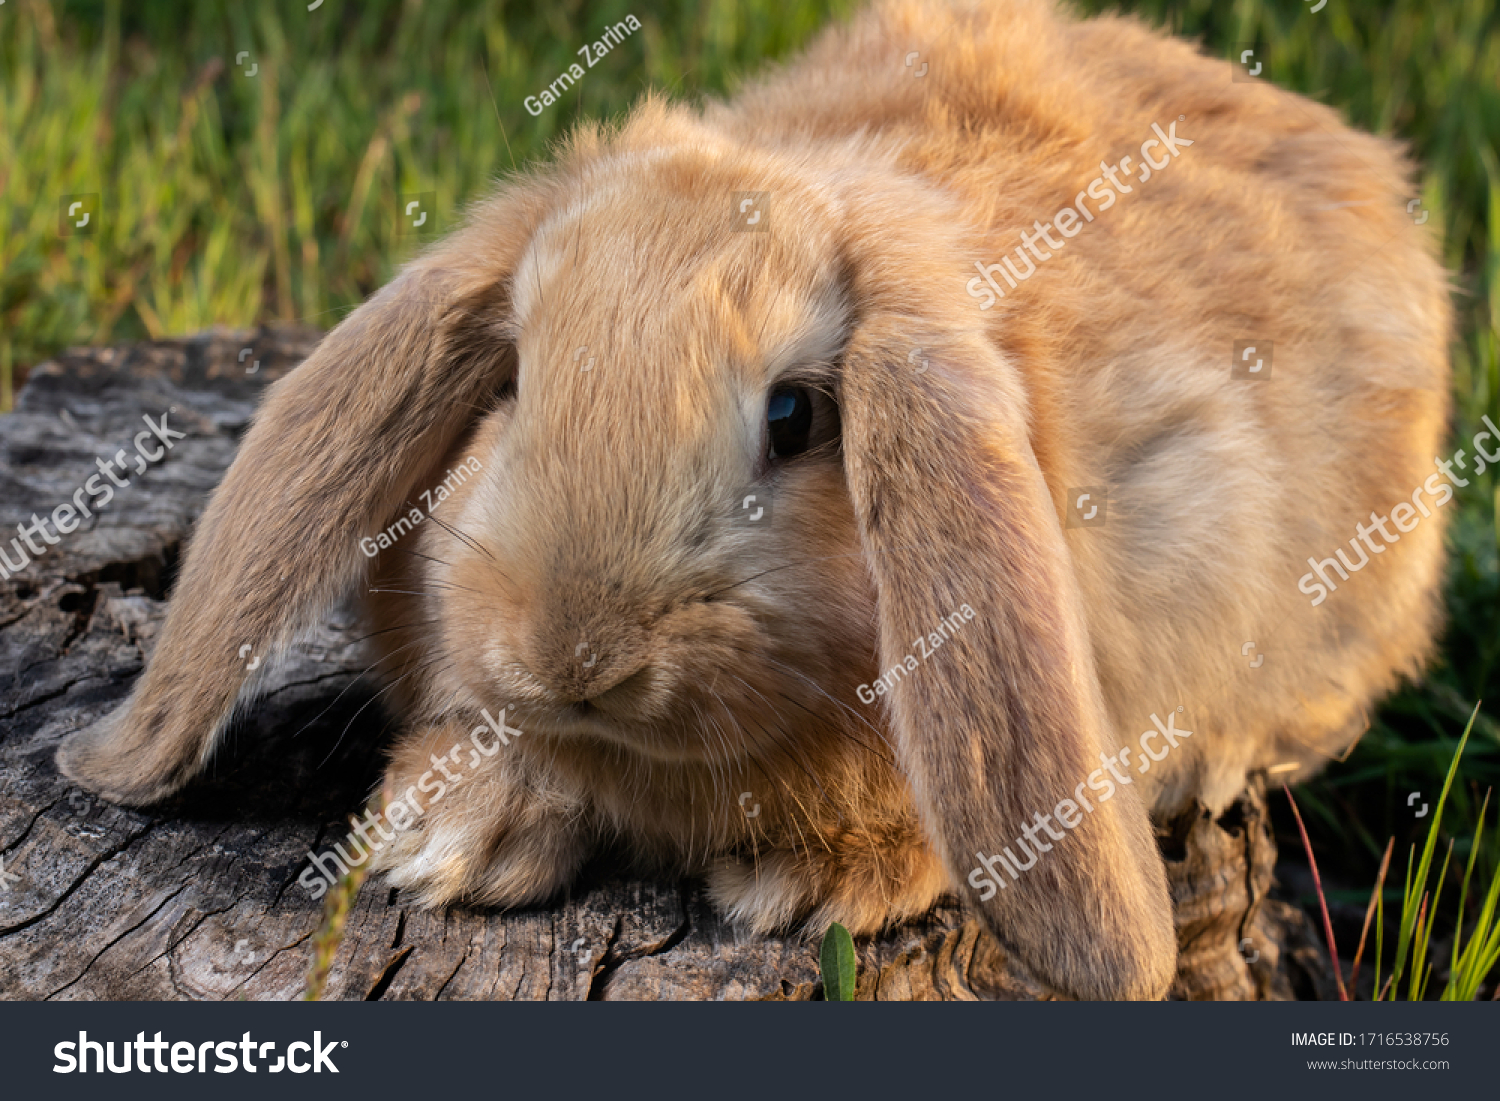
(839, 964)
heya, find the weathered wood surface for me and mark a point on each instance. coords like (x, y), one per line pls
(198, 898)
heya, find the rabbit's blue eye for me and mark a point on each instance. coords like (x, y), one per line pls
(789, 419)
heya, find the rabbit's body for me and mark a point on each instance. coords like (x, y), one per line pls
(1278, 225)
(701, 689)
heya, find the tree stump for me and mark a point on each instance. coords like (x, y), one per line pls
(197, 898)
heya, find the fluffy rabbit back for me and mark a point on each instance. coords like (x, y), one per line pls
(1268, 223)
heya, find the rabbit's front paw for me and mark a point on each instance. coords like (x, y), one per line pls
(485, 835)
(864, 880)
(449, 860)
(131, 760)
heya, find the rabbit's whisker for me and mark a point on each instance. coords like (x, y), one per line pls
(372, 699)
(792, 749)
(419, 554)
(446, 585)
(750, 757)
(453, 531)
(358, 677)
(398, 627)
(802, 562)
(816, 687)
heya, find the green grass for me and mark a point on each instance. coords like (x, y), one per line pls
(1471, 963)
(231, 199)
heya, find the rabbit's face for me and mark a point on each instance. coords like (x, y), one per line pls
(661, 549)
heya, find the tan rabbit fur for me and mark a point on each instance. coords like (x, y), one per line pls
(601, 338)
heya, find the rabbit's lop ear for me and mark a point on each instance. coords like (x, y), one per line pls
(1006, 721)
(333, 451)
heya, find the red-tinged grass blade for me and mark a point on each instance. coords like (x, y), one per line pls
(1416, 957)
(1385, 865)
(1424, 937)
(1380, 936)
(1333, 952)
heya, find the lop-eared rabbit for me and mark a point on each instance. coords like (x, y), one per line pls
(879, 485)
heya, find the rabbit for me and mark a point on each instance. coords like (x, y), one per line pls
(804, 545)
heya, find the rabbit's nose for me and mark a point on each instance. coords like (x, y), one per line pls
(591, 672)
(582, 649)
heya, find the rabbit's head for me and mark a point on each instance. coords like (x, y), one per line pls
(661, 528)
(635, 344)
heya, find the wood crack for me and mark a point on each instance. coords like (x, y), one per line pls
(88, 870)
(116, 941)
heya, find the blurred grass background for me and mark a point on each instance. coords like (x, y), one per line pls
(234, 199)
